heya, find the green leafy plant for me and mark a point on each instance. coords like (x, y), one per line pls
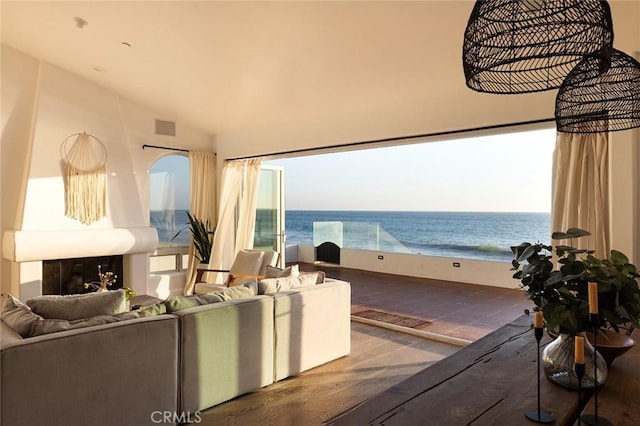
(562, 293)
(202, 233)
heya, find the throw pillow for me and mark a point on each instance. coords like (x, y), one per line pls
(320, 276)
(48, 326)
(240, 291)
(274, 272)
(152, 310)
(78, 306)
(18, 316)
(274, 285)
(289, 271)
(178, 303)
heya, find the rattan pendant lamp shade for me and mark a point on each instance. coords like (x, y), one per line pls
(591, 101)
(524, 46)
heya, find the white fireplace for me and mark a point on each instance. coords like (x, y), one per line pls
(28, 250)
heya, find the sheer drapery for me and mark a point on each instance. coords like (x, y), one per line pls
(237, 206)
(580, 189)
(202, 170)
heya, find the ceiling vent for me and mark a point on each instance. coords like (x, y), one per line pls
(166, 128)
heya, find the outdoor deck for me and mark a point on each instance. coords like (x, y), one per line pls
(379, 357)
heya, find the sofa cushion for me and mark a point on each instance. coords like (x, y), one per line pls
(48, 326)
(274, 285)
(78, 306)
(18, 316)
(178, 303)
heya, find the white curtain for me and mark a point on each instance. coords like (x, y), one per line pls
(580, 189)
(202, 170)
(236, 221)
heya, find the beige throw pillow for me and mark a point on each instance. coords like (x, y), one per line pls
(78, 306)
(18, 316)
(289, 271)
(274, 285)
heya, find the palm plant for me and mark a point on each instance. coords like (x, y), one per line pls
(202, 234)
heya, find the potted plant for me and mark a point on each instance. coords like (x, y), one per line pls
(202, 233)
(561, 293)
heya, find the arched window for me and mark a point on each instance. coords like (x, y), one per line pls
(168, 206)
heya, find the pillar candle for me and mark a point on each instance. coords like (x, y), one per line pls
(593, 298)
(579, 350)
(537, 320)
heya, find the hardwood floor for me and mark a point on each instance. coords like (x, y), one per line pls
(379, 357)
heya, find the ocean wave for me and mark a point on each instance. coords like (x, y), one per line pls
(462, 248)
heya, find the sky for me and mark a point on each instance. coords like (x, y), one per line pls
(171, 171)
(500, 173)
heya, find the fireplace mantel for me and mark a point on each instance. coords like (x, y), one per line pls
(27, 246)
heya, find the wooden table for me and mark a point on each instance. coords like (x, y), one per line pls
(619, 397)
(490, 382)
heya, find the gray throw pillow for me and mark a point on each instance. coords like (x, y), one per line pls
(78, 306)
(48, 326)
(18, 316)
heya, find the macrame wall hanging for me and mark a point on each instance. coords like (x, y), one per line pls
(85, 177)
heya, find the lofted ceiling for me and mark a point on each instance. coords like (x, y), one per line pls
(228, 66)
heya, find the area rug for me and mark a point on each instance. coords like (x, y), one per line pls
(394, 319)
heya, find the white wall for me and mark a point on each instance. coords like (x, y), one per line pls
(41, 106)
(495, 274)
(464, 109)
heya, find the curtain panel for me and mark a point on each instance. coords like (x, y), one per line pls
(236, 221)
(202, 170)
(581, 189)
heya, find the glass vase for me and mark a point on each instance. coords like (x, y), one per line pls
(558, 361)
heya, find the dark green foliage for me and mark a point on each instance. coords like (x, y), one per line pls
(202, 234)
(561, 293)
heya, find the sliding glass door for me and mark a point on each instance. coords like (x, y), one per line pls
(269, 233)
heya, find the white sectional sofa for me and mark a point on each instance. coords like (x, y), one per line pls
(135, 371)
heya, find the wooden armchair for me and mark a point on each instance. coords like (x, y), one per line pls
(247, 264)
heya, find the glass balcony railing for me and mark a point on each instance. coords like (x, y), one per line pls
(357, 235)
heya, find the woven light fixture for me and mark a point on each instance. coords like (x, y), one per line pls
(524, 46)
(591, 101)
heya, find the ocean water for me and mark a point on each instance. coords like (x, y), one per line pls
(169, 223)
(470, 235)
(467, 235)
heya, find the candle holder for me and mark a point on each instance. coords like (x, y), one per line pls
(579, 370)
(538, 415)
(594, 419)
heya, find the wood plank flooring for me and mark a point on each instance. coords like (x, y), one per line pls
(379, 358)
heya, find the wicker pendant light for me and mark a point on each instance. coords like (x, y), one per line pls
(593, 99)
(523, 46)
